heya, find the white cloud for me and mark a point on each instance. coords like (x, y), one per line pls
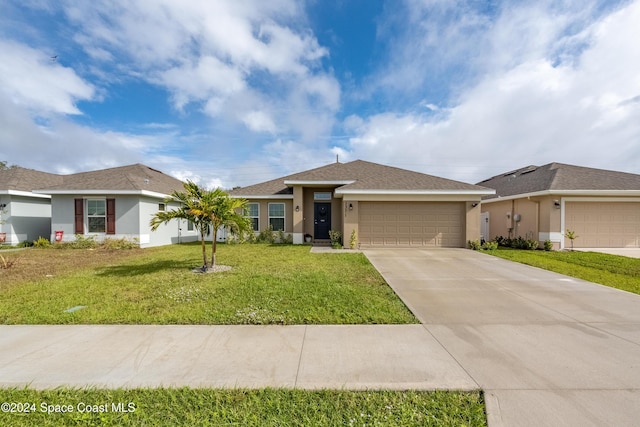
(528, 108)
(29, 77)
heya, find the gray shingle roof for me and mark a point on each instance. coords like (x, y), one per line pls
(559, 177)
(22, 179)
(129, 178)
(366, 176)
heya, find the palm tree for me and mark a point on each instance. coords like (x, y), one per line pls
(189, 200)
(208, 210)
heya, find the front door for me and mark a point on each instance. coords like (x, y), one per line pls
(322, 220)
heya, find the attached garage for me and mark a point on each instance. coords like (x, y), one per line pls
(428, 224)
(603, 224)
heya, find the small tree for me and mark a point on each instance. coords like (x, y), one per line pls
(208, 210)
(571, 235)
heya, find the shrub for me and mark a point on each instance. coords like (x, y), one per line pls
(267, 235)
(490, 246)
(25, 244)
(122, 243)
(353, 240)
(474, 244)
(548, 245)
(42, 242)
(284, 238)
(336, 239)
(246, 236)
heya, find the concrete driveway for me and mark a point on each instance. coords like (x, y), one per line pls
(548, 350)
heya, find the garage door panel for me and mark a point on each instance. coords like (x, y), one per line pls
(411, 224)
(603, 224)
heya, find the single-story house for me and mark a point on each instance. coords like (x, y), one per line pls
(117, 202)
(24, 215)
(386, 206)
(602, 207)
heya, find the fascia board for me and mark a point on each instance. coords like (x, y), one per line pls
(261, 197)
(593, 193)
(25, 194)
(425, 192)
(318, 182)
(105, 193)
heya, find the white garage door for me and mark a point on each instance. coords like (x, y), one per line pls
(432, 224)
(603, 225)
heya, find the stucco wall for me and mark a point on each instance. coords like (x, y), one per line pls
(26, 218)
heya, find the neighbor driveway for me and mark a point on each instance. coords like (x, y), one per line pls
(548, 350)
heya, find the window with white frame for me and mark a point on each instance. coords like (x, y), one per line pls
(96, 216)
(190, 226)
(276, 216)
(162, 207)
(253, 212)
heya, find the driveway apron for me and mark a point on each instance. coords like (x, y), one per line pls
(547, 349)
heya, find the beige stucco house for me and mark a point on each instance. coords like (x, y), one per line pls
(542, 202)
(386, 206)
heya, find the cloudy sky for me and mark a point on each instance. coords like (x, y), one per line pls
(230, 92)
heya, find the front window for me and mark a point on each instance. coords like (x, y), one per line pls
(253, 212)
(96, 216)
(276, 216)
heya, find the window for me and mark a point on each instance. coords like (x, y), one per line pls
(322, 196)
(96, 216)
(189, 226)
(276, 216)
(253, 212)
(161, 207)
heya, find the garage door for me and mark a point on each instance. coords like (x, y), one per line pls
(603, 225)
(431, 224)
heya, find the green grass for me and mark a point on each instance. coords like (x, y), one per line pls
(610, 270)
(279, 284)
(264, 407)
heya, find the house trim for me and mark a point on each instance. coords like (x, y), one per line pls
(271, 196)
(417, 192)
(592, 193)
(106, 192)
(24, 194)
(307, 183)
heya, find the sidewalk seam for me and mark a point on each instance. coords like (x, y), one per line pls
(304, 338)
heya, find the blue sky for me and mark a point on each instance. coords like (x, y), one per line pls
(231, 92)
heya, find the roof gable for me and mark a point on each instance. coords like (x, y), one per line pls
(358, 176)
(558, 177)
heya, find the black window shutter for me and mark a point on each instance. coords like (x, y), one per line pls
(111, 216)
(78, 227)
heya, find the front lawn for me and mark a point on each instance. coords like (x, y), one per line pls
(265, 407)
(611, 270)
(278, 284)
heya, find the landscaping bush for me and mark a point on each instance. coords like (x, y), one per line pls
(25, 244)
(490, 246)
(517, 243)
(266, 236)
(284, 238)
(336, 239)
(122, 243)
(42, 243)
(548, 245)
(474, 244)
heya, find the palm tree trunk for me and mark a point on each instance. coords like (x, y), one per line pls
(204, 250)
(213, 247)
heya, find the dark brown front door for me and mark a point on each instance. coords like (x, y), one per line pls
(322, 220)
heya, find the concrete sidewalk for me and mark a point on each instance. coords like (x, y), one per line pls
(309, 357)
(547, 349)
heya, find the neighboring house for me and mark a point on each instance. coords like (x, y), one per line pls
(542, 202)
(386, 206)
(25, 215)
(117, 202)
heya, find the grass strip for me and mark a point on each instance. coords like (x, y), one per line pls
(242, 407)
(610, 270)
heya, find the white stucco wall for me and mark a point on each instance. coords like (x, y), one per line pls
(26, 218)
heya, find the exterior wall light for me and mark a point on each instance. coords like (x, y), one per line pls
(297, 208)
(350, 206)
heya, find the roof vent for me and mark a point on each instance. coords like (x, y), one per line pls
(146, 180)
